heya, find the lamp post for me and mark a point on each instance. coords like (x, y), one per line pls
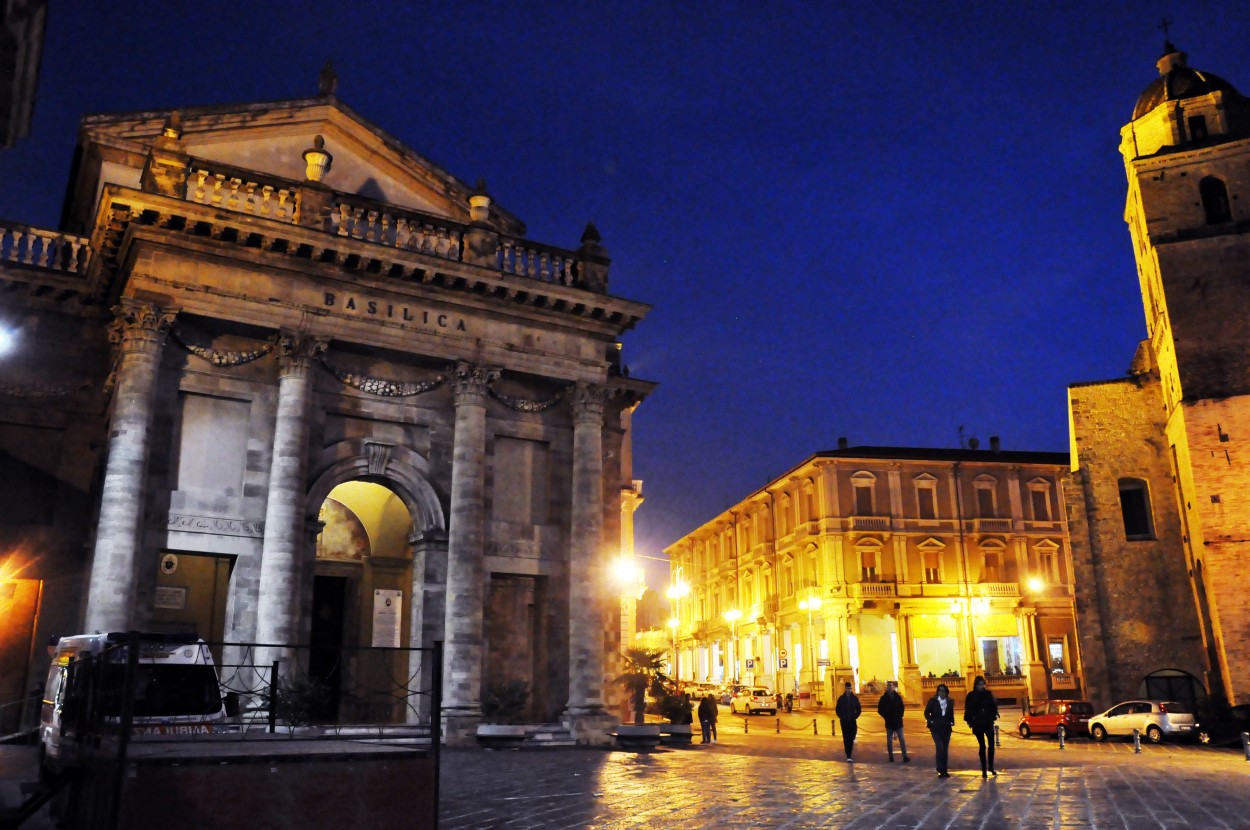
(673, 624)
(809, 605)
(732, 616)
(628, 578)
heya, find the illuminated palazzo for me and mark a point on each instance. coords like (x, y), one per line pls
(276, 366)
(867, 564)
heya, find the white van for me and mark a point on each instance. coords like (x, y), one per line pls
(175, 687)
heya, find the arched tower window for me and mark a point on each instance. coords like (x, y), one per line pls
(1214, 200)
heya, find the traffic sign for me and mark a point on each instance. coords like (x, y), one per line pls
(783, 654)
(783, 663)
(750, 662)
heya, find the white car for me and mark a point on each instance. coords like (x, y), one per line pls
(752, 699)
(1154, 719)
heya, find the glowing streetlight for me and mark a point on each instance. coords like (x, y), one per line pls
(7, 339)
(1036, 585)
(809, 605)
(732, 616)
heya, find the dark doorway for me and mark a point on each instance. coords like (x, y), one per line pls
(325, 658)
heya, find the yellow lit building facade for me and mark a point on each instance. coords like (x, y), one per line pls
(867, 564)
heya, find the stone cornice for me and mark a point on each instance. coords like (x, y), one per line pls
(127, 214)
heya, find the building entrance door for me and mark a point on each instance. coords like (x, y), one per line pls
(325, 659)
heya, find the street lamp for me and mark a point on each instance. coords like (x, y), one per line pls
(673, 625)
(628, 577)
(732, 616)
(809, 605)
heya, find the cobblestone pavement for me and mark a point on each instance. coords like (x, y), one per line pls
(797, 780)
(794, 779)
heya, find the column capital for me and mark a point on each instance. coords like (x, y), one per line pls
(469, 380)
(140, 326)
(297, 350)
(588, 402)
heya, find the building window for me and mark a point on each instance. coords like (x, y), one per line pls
(809, 496)
(1048, 565)
(787, 576)
(1041, 504)
(993, 566)
(926, 501)
(1197, 127)
(863, 483)
(869, 560)
(784, 515)
(1056, 655)
(987, 498)
(1001, 656)
(1214, 200)
(932, 566)
(1135, 507)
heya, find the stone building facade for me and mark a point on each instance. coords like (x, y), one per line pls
(867, 564)
(1161, 548)
(277, 366)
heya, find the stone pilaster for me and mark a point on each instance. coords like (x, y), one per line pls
(462, 658)
(284, 544)
(139, 330)
(586, 716)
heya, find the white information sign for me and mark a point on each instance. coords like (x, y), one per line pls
(387, 613)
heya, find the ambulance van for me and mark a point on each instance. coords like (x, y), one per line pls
(176, 690)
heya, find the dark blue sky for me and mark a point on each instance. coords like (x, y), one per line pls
(879, 221)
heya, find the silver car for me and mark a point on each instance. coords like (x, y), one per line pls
(1154, 719)
(752, 699)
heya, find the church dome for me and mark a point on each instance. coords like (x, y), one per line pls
(1176, 81)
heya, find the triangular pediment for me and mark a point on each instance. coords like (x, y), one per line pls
(270, 138)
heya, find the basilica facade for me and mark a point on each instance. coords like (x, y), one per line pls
(276, 367)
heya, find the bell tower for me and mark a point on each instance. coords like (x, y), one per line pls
(1187, 156)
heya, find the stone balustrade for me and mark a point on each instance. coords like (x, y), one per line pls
(241, 191)
(44, 249)
(540, 262)
(396, 228)
(244, 191)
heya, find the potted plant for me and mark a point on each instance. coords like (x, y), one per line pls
(504, 706)
(643, 671)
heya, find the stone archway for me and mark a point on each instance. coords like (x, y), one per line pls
(404, 474)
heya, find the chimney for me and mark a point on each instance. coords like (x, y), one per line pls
(995, 444)
(842, 443)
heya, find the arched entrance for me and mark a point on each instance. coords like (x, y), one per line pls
(377, 581)
(1173, 684)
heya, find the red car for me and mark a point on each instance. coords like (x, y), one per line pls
(1045, 716)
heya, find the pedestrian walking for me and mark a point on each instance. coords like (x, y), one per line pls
(980, 712)
(707, 718)
(939, 715)
(848, 710)
(890, 708)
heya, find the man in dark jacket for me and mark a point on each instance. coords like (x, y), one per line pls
(980, 711)
(848, 710)
(890, 708)
(939, 714)
(707, 718)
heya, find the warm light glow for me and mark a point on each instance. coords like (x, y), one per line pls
(673, 624)
(1036, 584)
(679, 590)
(980, 605)
(626, 572)
(810, 604)
(733, 615)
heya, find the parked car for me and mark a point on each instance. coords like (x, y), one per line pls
(1225, 729)
(1045, 717)
(1155, 719)
(751, 699)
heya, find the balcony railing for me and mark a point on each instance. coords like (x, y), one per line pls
(1000, 680)
(241, 191)
(998, 589)
(870, 522)
(991, 525)
(873, 590)
(39, 248)
(395, 227)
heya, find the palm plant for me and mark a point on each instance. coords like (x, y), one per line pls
(643, 669)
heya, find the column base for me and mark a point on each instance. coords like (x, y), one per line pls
(589, 727)
(460, 727)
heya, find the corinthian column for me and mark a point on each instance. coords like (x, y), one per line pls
(277, 606)
(466, 540)
(139, 330)
(585, 556)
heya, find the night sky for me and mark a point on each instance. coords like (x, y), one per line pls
(881, 221)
